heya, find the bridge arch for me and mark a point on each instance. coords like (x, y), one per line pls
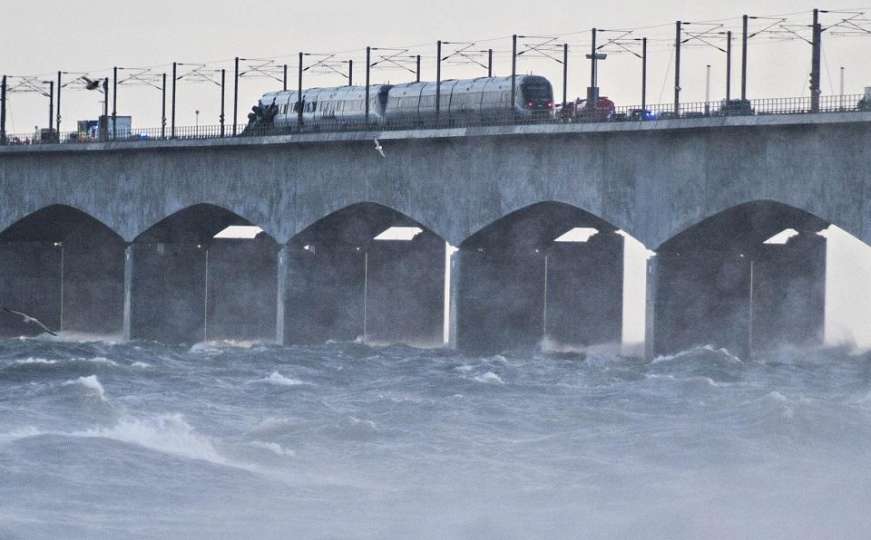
(365, 271)
(749, 278)
(191, 281)
(547, 274)
(65, 267)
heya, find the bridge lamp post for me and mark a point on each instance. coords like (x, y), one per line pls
(197, 123)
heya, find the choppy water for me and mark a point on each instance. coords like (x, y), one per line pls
(346, 441)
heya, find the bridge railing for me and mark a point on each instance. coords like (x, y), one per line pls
(651, 113)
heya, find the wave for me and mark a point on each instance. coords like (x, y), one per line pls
(489, 378)
(275, 448)
(35, 361)
(168, 434)
(278, 379)
(91, 383)
(722, 351)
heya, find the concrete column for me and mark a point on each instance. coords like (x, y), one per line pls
(168, 292)
(503, 295)
(128, 292)
(702, 298)
(405, 291)
(281, 294)
(454, 316)
(789, 293)
(241, 289)
(585, 291)
(769, 296)
(30, 281)
(501, 300)
(650, 308)
(325, 286)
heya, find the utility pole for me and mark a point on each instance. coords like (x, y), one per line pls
(59, 87)
(368, 67)
(3, 111)
(728, 67)
(283, 79)
(815, 62)
(489, 62)
(299, 103)
(643, 76)
(565, 73)
(104, 124)
(593, 94)
(51, 108)
(174, 79)
(438, 97)
(224, 93)
(513, 73)
(677, 69)
(842, 88)
(418, 68)
(350, 73)
(236, 97)
(114, 102)
(163, 108)
(744, 39)
(707, 89)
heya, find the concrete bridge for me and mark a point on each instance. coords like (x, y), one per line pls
(117, 237)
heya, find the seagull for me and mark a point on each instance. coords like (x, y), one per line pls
(29, 320)
(89, 84)
(379, 148)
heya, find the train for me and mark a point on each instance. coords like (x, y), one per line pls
(461, 102)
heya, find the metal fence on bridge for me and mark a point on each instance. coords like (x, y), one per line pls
(652, 113)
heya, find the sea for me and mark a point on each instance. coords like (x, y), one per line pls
(140, 440)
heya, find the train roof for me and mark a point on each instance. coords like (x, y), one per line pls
(425, 87)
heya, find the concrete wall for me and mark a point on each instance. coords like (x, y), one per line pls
(652, 180)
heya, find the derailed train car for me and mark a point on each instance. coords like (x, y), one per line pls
(461, 102)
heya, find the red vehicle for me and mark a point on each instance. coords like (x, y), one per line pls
(579, 111)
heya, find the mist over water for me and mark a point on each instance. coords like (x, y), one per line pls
(141, 440)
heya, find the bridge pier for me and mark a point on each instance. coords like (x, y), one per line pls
(746, 302)
(168, 300)
(345, 282)
(64, 268)
(569, 295)
(241, 289)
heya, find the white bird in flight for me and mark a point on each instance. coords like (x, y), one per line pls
(29, 320)
(379, 148)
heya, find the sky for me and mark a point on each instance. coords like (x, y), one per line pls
(90, 37)
(40, 38)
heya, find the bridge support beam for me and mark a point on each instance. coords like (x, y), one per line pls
(567, 296)
(748, 302)
(281, 294)
(384, 292)
(168, 285)
(31, 278)
(72, 284)
(241, 289)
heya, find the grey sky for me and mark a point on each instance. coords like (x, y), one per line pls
(42, 37)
